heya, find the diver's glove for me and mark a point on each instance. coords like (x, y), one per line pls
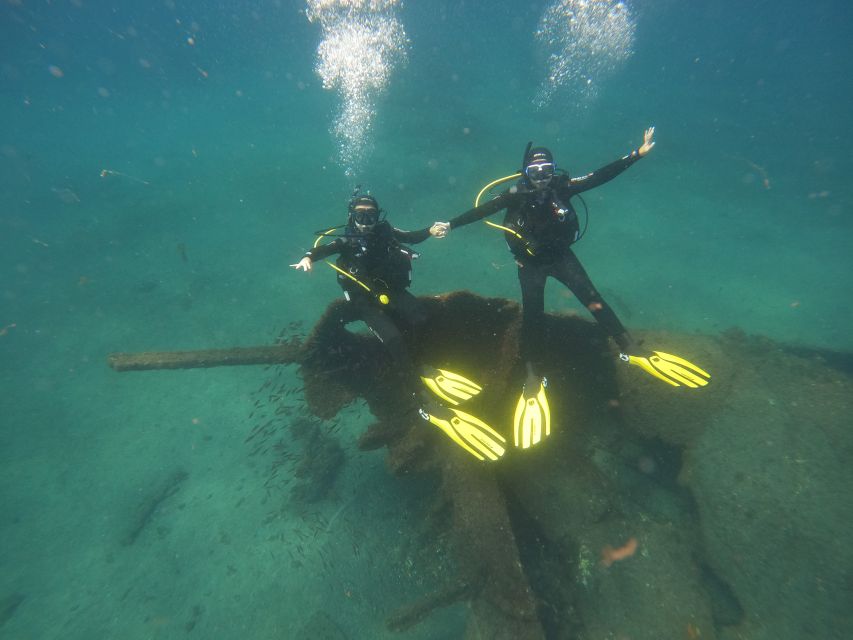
(532, 419)
(469, 432)
(671, 369)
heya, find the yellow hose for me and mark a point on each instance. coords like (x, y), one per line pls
(383, 298)
(493, 183)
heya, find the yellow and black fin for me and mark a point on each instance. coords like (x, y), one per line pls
(469, 432)
(671, 369)
(532, 420)
(451, 387)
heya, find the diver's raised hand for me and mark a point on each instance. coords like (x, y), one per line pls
(648, 141)
(305, 264)
(439, 229)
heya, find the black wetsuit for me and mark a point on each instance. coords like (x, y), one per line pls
(379, 260)
(548, 225)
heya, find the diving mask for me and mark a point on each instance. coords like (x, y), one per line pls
(539, 173)
(364, 211)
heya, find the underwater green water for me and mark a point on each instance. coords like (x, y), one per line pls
(161, 166)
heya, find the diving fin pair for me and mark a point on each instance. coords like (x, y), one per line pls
(532, 420)
(466, 430)
(670, 369)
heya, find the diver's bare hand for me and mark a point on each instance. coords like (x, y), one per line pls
(648, 141)
(305, 264)
(439, 229)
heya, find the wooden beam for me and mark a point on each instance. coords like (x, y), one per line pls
(205, 358)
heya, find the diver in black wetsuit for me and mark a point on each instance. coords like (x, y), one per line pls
(374, 270)
(540, 226)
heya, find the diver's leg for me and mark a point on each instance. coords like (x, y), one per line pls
(401, 380)
(329, 335)
(532, 281)
(410, 311)
(571, 273)
(386, 330)
(532, 417)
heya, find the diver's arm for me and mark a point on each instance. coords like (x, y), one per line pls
(484, 210)
(604, 174)
(410, 237)
(324, 250)
(610, 171)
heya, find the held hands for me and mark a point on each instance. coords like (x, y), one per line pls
(648, 141)
(439, 229)
(305, 264)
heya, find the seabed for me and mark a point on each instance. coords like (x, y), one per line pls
(706, 488)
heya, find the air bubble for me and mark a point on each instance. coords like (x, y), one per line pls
(362, 43)
(584, 41)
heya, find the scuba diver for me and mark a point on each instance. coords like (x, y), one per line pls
(540, 226)
(374, 269)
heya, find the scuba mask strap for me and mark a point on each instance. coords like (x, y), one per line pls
(526, 157)
(355, 193)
